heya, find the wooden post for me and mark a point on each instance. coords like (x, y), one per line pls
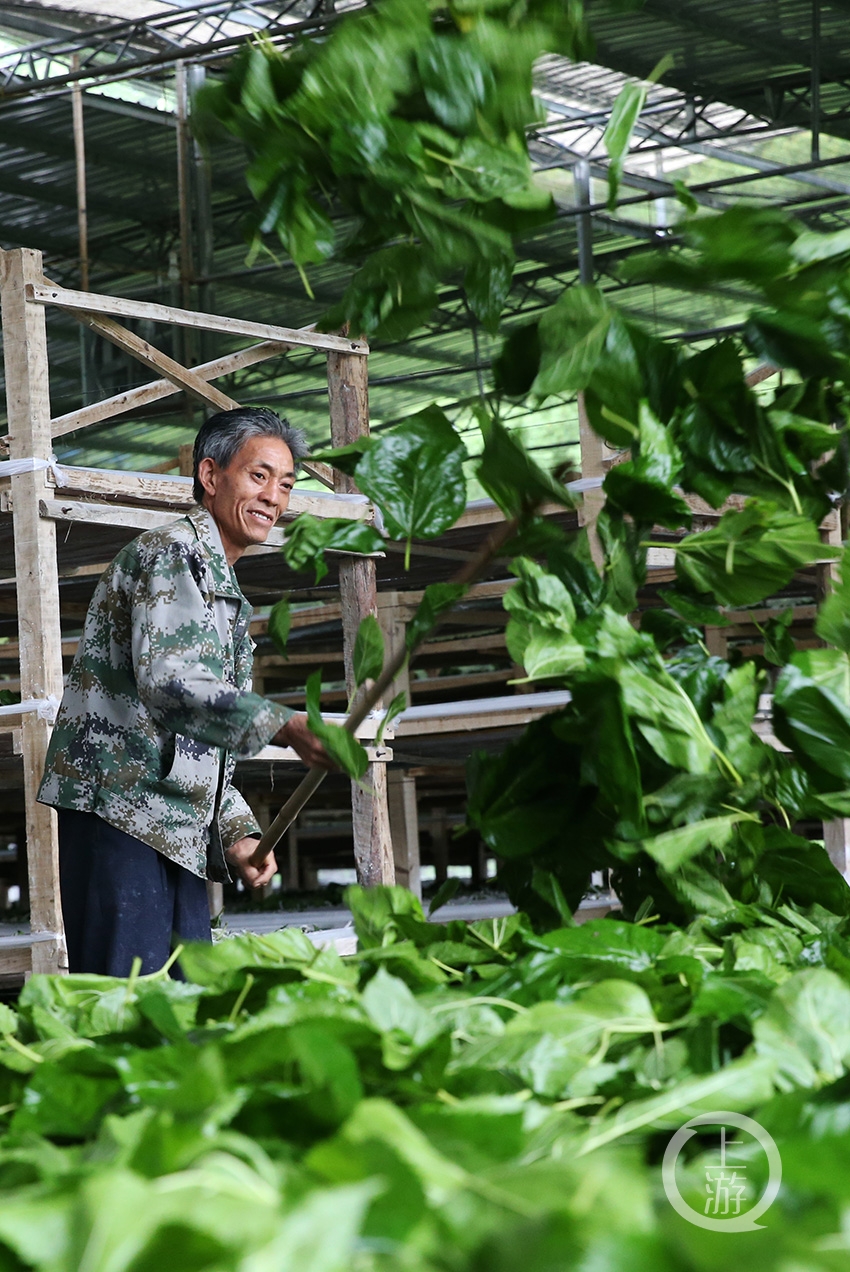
(591, 445)
(716, 641)
(348, 397)
(836, 834)
(392, 616)
(404, 825)
(185, 459)
(82, 216)
(80, 159)
(401, 786)
(836, 839)
(37, 577)
(592, 454)
(291, 874)
(440, 844)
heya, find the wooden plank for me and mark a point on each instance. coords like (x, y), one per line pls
(176, 492)
(322, 472)
(348, 399)
(106, 515)
(472, 721)
(418, 686)
(89, 302)
(141, 519)
(28, 403)
(135, 399)
(146, 353)
(15, 961)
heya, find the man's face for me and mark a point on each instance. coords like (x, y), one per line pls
(248, 496)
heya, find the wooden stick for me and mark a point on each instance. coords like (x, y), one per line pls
(91, 302)
(488, 551)
(152, 357)
(134, 399)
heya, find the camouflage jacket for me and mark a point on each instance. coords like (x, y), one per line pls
(159, 696)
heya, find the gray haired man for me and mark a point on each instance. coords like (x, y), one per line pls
(159, 706)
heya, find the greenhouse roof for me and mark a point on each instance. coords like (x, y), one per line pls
(756, 106)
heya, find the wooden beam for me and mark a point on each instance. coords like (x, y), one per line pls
(348, 399)
(152, 357)
(28, 403)
(89, 302)
(135, 399)
(175, 493)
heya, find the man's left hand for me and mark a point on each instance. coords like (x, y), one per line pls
(239, 856)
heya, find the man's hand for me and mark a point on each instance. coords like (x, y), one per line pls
(239, 857)
(296, 734)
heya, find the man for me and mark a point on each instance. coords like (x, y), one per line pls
(158, 707)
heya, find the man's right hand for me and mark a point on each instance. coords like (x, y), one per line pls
(296, 734)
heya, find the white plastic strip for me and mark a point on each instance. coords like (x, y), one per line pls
(14, 467)
(585, 483)
(45, 708)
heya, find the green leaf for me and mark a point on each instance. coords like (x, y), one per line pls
(520, 800)
(8, 1020)
(811, 248)
(437, 599)
(684, 196)
(415, 474)
(750, 554)
(396, 707)
(693, 611)
(548, 888)
(674, 847)
(321, 1233)
(618, 134)
(805, 1030)
(624, 115)
(455, 78)
(308, 538)
(667, 719)
(643, 486)
(700, 891)
(572, 337)
(444, 893)
(796, 340)
(487, 284)
(800, 871)
(405, 1023)
(539, 635)
(280, 621)
(510, 476)
(368, 657)
(375, 910)
(743, 1084)
(518, 362)
(345, 458)
(341, 745)
(811, 715)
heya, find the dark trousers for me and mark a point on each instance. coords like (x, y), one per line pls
(122, 899)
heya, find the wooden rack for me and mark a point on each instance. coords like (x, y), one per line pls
(41, 495)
